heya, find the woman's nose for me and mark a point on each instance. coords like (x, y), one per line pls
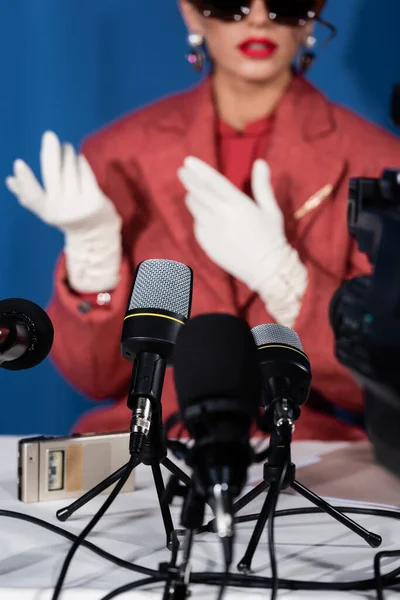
(258, 13)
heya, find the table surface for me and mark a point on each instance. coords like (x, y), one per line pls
(310, 548)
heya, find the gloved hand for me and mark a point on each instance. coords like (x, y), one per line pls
(72, 201)
(246, 238)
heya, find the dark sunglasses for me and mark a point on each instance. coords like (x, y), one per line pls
(284, 12)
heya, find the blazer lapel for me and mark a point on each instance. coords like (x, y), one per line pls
(305, 165)
(305, 169)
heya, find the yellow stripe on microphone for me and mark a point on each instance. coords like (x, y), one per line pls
(154, 315)
(285, 347)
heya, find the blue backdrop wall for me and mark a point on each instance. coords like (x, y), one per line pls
(73, 65)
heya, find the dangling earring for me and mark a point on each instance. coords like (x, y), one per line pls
(308, 57)
(197, 56)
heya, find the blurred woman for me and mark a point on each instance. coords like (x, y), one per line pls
(244, 178)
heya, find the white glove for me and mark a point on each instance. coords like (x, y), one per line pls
(72, 201)
(246, 238)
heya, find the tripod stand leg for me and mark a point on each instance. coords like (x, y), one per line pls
(65, 513)
(165, 512)
(372, 539)
(171, 567)
(249, 497)
(169, 465)
(252, 495)
(244, 565)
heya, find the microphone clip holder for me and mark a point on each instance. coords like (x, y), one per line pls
(279, 415)
(284, 417)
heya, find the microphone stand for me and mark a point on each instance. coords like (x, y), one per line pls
(279, 457)
(152, 454)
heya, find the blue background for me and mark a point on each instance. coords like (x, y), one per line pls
(73, 65)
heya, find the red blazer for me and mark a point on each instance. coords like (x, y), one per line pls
(135, 159)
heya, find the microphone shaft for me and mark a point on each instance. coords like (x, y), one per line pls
(147, 379)
(224, 519)
(283, 415)
(144, 399)
(140, 424)
(223, 510)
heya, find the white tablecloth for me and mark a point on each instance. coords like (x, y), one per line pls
(313, 547)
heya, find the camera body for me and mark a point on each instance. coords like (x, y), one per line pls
(365, 311)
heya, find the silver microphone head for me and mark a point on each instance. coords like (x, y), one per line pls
(273, 333)
(164, 285)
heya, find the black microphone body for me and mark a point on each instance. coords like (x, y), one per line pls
(159, 305)
(218, 382)
(26, 334)
(286, 376)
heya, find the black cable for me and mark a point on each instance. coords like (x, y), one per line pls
(134, 460)
(130, 586)
(246, 581)
(224, 584)
(271, 533)
(119, 562)
(377, 569)
(390, 579)
(237, 580)
(352, 510)
(310, 510)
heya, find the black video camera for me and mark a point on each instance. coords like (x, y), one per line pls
(365, 311)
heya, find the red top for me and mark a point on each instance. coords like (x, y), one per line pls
(313, 144)
(237, 150)
(236, 153)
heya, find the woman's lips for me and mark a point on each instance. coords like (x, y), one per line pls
(258, 48)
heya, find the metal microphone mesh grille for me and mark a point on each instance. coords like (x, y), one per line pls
(164, 285)
(272, 333)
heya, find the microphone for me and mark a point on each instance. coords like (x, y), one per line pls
(26, 334)
(286, 376)
(158, 307)
(218, 382)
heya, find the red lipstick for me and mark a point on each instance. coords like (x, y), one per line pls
(258, 47)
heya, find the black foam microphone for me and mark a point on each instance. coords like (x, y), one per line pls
(218, 382)
(159, 305)
(286, 376)
(26, 334)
